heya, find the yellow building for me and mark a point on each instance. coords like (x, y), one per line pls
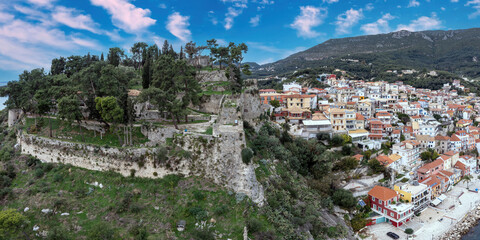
(417, 193)
(296, 101)
(338, 119)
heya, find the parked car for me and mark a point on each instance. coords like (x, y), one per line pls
(393, 235)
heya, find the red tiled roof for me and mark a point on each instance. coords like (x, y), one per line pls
(450, 153)
(460, 166)
(382, 193)
(455, 138)
(442, 138)
(267, 90)
(425, 168)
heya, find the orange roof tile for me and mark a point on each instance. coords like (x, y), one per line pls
(425, 168)
(382, 193)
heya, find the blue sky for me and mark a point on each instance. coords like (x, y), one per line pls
(32, 32)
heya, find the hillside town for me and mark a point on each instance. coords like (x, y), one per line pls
(426, 139)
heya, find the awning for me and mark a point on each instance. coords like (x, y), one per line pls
(436, 201)
(442, 197)
(439, 200)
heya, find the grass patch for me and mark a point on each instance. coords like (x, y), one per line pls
(74, 133)
(209, 131)
(123, 201)
(211, 92)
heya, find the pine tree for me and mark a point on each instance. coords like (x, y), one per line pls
(165, 48)
(101, 57)
(181, 53)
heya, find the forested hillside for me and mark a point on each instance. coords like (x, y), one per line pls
(456, 51)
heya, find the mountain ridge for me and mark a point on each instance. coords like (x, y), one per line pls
(433, 49)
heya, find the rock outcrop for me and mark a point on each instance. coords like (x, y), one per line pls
(463, 226)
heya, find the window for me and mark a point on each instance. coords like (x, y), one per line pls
(380, 201)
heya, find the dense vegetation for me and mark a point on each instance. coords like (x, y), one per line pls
(89, 87)
(303, 187)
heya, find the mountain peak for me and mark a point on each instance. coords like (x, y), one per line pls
(436, 49)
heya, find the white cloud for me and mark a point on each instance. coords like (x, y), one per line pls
(15, 55)
(454, 1)
(162, 5)
(126, 15)
(475, 5)
(5, 17)
(369, 7)
(263, 3)
(255, 20)
(33, 14)
(379, 26)
(230, 16)
(331, 1)
(442, 8)
(422, 23)
(28, 45)
(347, 20)
(69, 17)
(309, 18)
(222, 42)
(413, 3)
(43, 3)
(213, 19)
(178, 26)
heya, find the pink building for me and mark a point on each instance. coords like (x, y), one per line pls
(430, 169)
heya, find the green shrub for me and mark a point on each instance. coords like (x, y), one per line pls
(139, 232)
(6, 153)
(198, 195)
(337, 141)
(171, 180)
(58, 233)
(32, 161)
(221, 210)
(254, 225)
(58, 177)
(125, 203)
(39, 172)
(344, 198)
(409, 231)
(162, 155)
(358, 222)
(247, 155)
(135, 207)
(202, 234)
(102, 231)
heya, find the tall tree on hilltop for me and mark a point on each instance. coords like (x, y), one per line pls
(213, 47)
(138, 50)
(115, 56)
(172, 52)
(222, 55)
(170, 80)
(190, 49)
(58, 66)
(44, 104)
(165, 47)
(151, 55)
(101, 58)
(69, 110)
(111, 113)
(181, 55)
(185, 78)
